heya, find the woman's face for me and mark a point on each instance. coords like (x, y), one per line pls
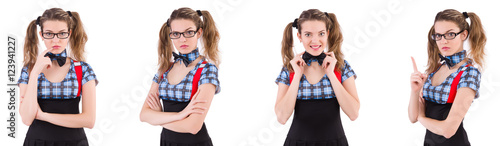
(313, 36)
(182, 44)
(59, 42)
(449, 47)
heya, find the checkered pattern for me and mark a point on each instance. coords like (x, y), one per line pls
(312, 60)
(66, 89)
(193, 55)
(457, 57)
(471, 77)
(181, 92)
(321, 90)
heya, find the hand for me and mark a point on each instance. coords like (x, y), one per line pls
(329, 63)
(298, 64)
(417, 78)
(154, 101)
(193, 107)
(39, 114)
(42, 62)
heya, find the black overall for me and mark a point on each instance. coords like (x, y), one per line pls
(42, 133)
(440, 112)
(316, 123)
(172, 138)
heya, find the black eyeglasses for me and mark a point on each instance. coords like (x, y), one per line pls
(186, 34)
(447, 36)
(61, 35)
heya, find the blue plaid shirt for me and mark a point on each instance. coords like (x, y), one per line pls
(321, 90)
(66, 89)
(181, 92)
(471, 77)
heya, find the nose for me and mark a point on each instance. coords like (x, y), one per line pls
(182, 38)
(443, 41)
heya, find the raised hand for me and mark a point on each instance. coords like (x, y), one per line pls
(417, 78)
(298, 64)
(42, 62)
(329, 62)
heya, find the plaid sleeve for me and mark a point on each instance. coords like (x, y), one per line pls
(471, 78)
(88, 74)
(283, 77)
(210, 74)
(347, 72)
(156, 79)
(24, 77)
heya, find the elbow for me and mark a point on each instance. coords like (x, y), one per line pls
(194, 129)
(448, 134)
(354, 116)
(282, 121)
(281, 118)
(413, 121)
(27, 122)
(90, 123)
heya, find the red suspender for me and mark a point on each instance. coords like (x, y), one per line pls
(454, 85)
(337, 73)
(196, 78)
(79, 75)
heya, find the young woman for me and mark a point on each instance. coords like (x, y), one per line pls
(187, 84)
(52, 84)
(314, 83)
(441, 97)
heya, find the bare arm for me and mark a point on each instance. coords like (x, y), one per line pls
(417, 81)
(285, 101)
(85, 119)
(193, 123)
(347, 96)
(449, 126)
(29, 102)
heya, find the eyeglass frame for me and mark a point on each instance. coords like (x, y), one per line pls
(182, 33)
(55, 34)
(435, 36)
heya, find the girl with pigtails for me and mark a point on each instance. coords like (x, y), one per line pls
(315, 85)
(52, 83)
(441, 97)
(186, 82)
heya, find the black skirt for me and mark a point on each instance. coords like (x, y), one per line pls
(172, 138)
(440, 112)
(316, 123)
(42, 133)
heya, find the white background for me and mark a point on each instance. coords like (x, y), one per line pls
(379, 38)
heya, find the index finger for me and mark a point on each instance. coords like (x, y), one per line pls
(414, 65)
(45, 52)
(300, 54)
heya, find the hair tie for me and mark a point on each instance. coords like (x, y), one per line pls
(295, 23)
(326, 13)
(38, 20)
(69, 13)
(465, 15)
(199, 12)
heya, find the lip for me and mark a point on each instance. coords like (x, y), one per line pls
(445, 48)
(184, 46)
(315, 47)
(56, 47)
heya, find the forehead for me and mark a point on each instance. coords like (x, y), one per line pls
(445, 26)
(182, 25)
(313, 26)
(55, 26)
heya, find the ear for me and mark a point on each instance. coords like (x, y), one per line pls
(199, 33)
(300, 38)
(464, 35)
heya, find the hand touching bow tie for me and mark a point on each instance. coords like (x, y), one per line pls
(308, 58)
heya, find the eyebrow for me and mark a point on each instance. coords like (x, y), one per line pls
(318, 31)
(446, 31)
(184, 30)
(62, 30)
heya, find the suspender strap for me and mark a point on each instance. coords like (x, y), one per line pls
(196, 79)
(79, 75)
(454, 85)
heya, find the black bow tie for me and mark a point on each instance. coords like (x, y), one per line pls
(448, 61)
(308, 58)
(60, 60)
(184, 59)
